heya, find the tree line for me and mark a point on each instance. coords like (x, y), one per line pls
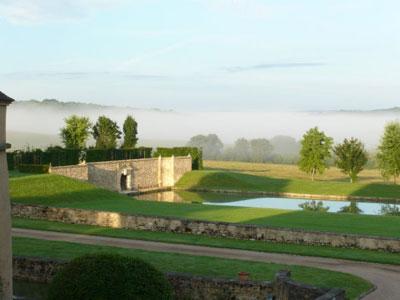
(106, 133)
(350, 156)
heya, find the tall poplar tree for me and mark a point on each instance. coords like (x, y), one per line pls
(130, 129)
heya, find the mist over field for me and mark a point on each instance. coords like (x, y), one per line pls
(37, 124)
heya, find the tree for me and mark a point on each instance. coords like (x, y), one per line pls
(315, 151)
(76, 132)
(210, 144)
(261, 150)
(106, 133)
(130, 133)
(242, 150)
(351, 157)
(388, 155)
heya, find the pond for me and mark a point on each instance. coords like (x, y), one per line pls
(224, 199)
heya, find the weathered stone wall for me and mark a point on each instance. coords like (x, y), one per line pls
(78, 172)
(141, 174)
(192, 287)
(238, 231)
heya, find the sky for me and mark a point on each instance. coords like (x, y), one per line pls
(203, 55)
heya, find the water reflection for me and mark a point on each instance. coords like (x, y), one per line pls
(225, 199)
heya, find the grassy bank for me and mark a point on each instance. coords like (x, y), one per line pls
(321, 251)
(170, 262)
(53, 190)
(224, 180)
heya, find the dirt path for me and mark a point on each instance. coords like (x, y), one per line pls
(385, 277)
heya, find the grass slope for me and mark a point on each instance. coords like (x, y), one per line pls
(207, 266)
(244, 182)
(168, 237)
(53, 190)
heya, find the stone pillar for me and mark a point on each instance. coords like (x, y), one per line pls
(6, 287)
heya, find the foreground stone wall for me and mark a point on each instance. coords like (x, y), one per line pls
(138, 174)
(238, 231)
(197, 287)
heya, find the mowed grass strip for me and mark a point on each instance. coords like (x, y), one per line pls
(198, 265)
(58, 191)
(241, 182)
(168, 237)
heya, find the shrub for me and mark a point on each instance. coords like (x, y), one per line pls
(195, 153)
(390, 210)
(314, 206)
(37, 169)
(109, 277)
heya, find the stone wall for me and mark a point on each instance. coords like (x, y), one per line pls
(192, 287)
(222, 229)
(78, 172)
(138, 174)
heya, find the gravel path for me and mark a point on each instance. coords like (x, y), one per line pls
(386, 278)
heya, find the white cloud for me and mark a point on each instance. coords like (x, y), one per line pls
(40, 11)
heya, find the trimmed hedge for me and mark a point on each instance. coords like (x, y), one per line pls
(31, 168)
(109, 277)
(10, 161)
(195, 153)
(55, 157)
(94, 155)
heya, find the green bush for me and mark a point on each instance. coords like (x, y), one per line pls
(195, 153)
(109, 277)
(94, 155)
(37, 169)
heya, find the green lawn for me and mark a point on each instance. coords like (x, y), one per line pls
(198, 265)
(245, 182)
(53, 190)
(321, 251)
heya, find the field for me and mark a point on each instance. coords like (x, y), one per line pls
(289, 171)
(53, 190)
(170, 262)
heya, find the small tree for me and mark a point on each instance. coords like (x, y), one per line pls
(388, 155)
(106, 133)
(351, 157)
(130, 133)
(76, 132)
(315, 151)
(210, 144)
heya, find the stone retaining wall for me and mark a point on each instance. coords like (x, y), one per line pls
(222, 229)
(137, 174)
(78, 172)
(192, 287)
(297, 195)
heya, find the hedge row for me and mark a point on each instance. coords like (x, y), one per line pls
(195, 153)
(65, 157)
(37, 169)
(94, 155)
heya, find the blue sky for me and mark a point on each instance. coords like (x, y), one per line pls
(217, 55)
